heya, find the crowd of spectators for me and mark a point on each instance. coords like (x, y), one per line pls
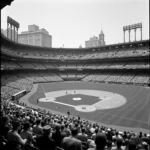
(123, 78)
(24, 128)
(44, 66)
(103, 53)
(14, 83)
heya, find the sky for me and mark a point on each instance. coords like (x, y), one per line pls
(72, 22)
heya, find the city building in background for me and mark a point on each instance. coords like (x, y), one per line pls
(35, 36)
(95, 41)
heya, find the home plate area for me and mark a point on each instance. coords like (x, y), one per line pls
(84, 100)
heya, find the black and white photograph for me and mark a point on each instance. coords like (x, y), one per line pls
(75, 75)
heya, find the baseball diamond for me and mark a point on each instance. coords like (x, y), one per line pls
(116, 105)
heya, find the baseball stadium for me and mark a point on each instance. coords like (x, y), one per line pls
(107, 86)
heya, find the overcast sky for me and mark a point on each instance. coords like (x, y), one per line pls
(72, 22)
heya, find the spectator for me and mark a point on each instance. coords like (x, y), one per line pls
(26, 134)
(13, 137)
(63, 133)
(72, 143)
(56, 135)
(82, 136)
(100, 141)
(116, 136)
(109, 145)
(91, 143)
(109, 135)
(37, 129)
(92, 129)
(132, 145)
(67, 130)
(118, 144)
(4, 128)
(44, 142)
(94, 134)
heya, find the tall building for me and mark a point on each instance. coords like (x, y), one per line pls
(95, 41)
(35, 36)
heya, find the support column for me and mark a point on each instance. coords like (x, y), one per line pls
(124, 36)
(11, 31)
(14, 33)
(135, 34)
(17, 34)
(7, 29)
(141, 34)
(129, 35)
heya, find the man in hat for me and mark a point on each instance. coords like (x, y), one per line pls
(56, 135)
(45, 142)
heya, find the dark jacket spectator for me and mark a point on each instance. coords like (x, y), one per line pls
(67, 130)
(4, 128)
(56, 135)
(100, 141)
(13, 137)
(44, 142)
(63, 133)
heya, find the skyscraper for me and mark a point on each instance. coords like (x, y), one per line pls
(35, 36)
(95, 41)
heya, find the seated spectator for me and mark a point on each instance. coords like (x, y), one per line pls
(132, 145)
(63, 133)
(37, 129)
(109, 145)
(56, 135)
(118, 144)
(91, 144)
(4, 128)
(94, 134)
(71, 142)
(116, 136)
(26, 134)
(82, 136)
(67, 130)
(45, 142)
(92, 129)
(100, 141)
(109, 135)
(13, 137)
(145, 146)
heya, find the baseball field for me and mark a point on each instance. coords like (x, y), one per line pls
(125, 107)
